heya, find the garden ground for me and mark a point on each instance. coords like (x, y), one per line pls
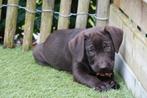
(21, 77)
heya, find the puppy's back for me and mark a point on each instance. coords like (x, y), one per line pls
(55, 49)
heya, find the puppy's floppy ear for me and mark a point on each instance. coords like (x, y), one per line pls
(76, 47)
(116, 35)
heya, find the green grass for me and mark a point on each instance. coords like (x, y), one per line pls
(21, 77)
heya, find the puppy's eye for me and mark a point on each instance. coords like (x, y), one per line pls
(91, 48)
(106, 46)
(91, 51)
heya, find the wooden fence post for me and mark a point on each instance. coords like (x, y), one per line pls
(65, 7)
(46, 19)
(81, 20)
(102, 12)
(10, 27)
(0, 9)
(29, 25)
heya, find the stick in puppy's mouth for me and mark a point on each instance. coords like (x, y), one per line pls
(104, 74)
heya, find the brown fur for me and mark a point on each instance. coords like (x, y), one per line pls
(87, 54)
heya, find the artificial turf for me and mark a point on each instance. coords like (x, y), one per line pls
(21, 77)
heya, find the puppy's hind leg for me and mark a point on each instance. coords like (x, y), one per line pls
(38, 55)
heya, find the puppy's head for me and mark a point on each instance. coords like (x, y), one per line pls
(97, 46)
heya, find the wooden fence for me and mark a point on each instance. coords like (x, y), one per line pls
(101, 17)
(131, 17)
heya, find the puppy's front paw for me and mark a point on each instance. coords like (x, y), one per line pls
(105, 86)
(114, 85)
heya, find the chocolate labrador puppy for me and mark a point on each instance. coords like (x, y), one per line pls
(86, 53)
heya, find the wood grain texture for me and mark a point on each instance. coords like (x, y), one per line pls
(136, 10)
(129, 77)
(65, 8)
(133, 9)
(10, 26)
(81, 20)
(117, 2)
(29, 25)
(102, 11)
(134, 46)
(46, 19)
(144, 17)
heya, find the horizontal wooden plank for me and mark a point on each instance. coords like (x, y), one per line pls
(134, 46)
(136, 10)
(133, 9)
(117, 2)
(133, 83)
(144, 17)
(139, 52)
